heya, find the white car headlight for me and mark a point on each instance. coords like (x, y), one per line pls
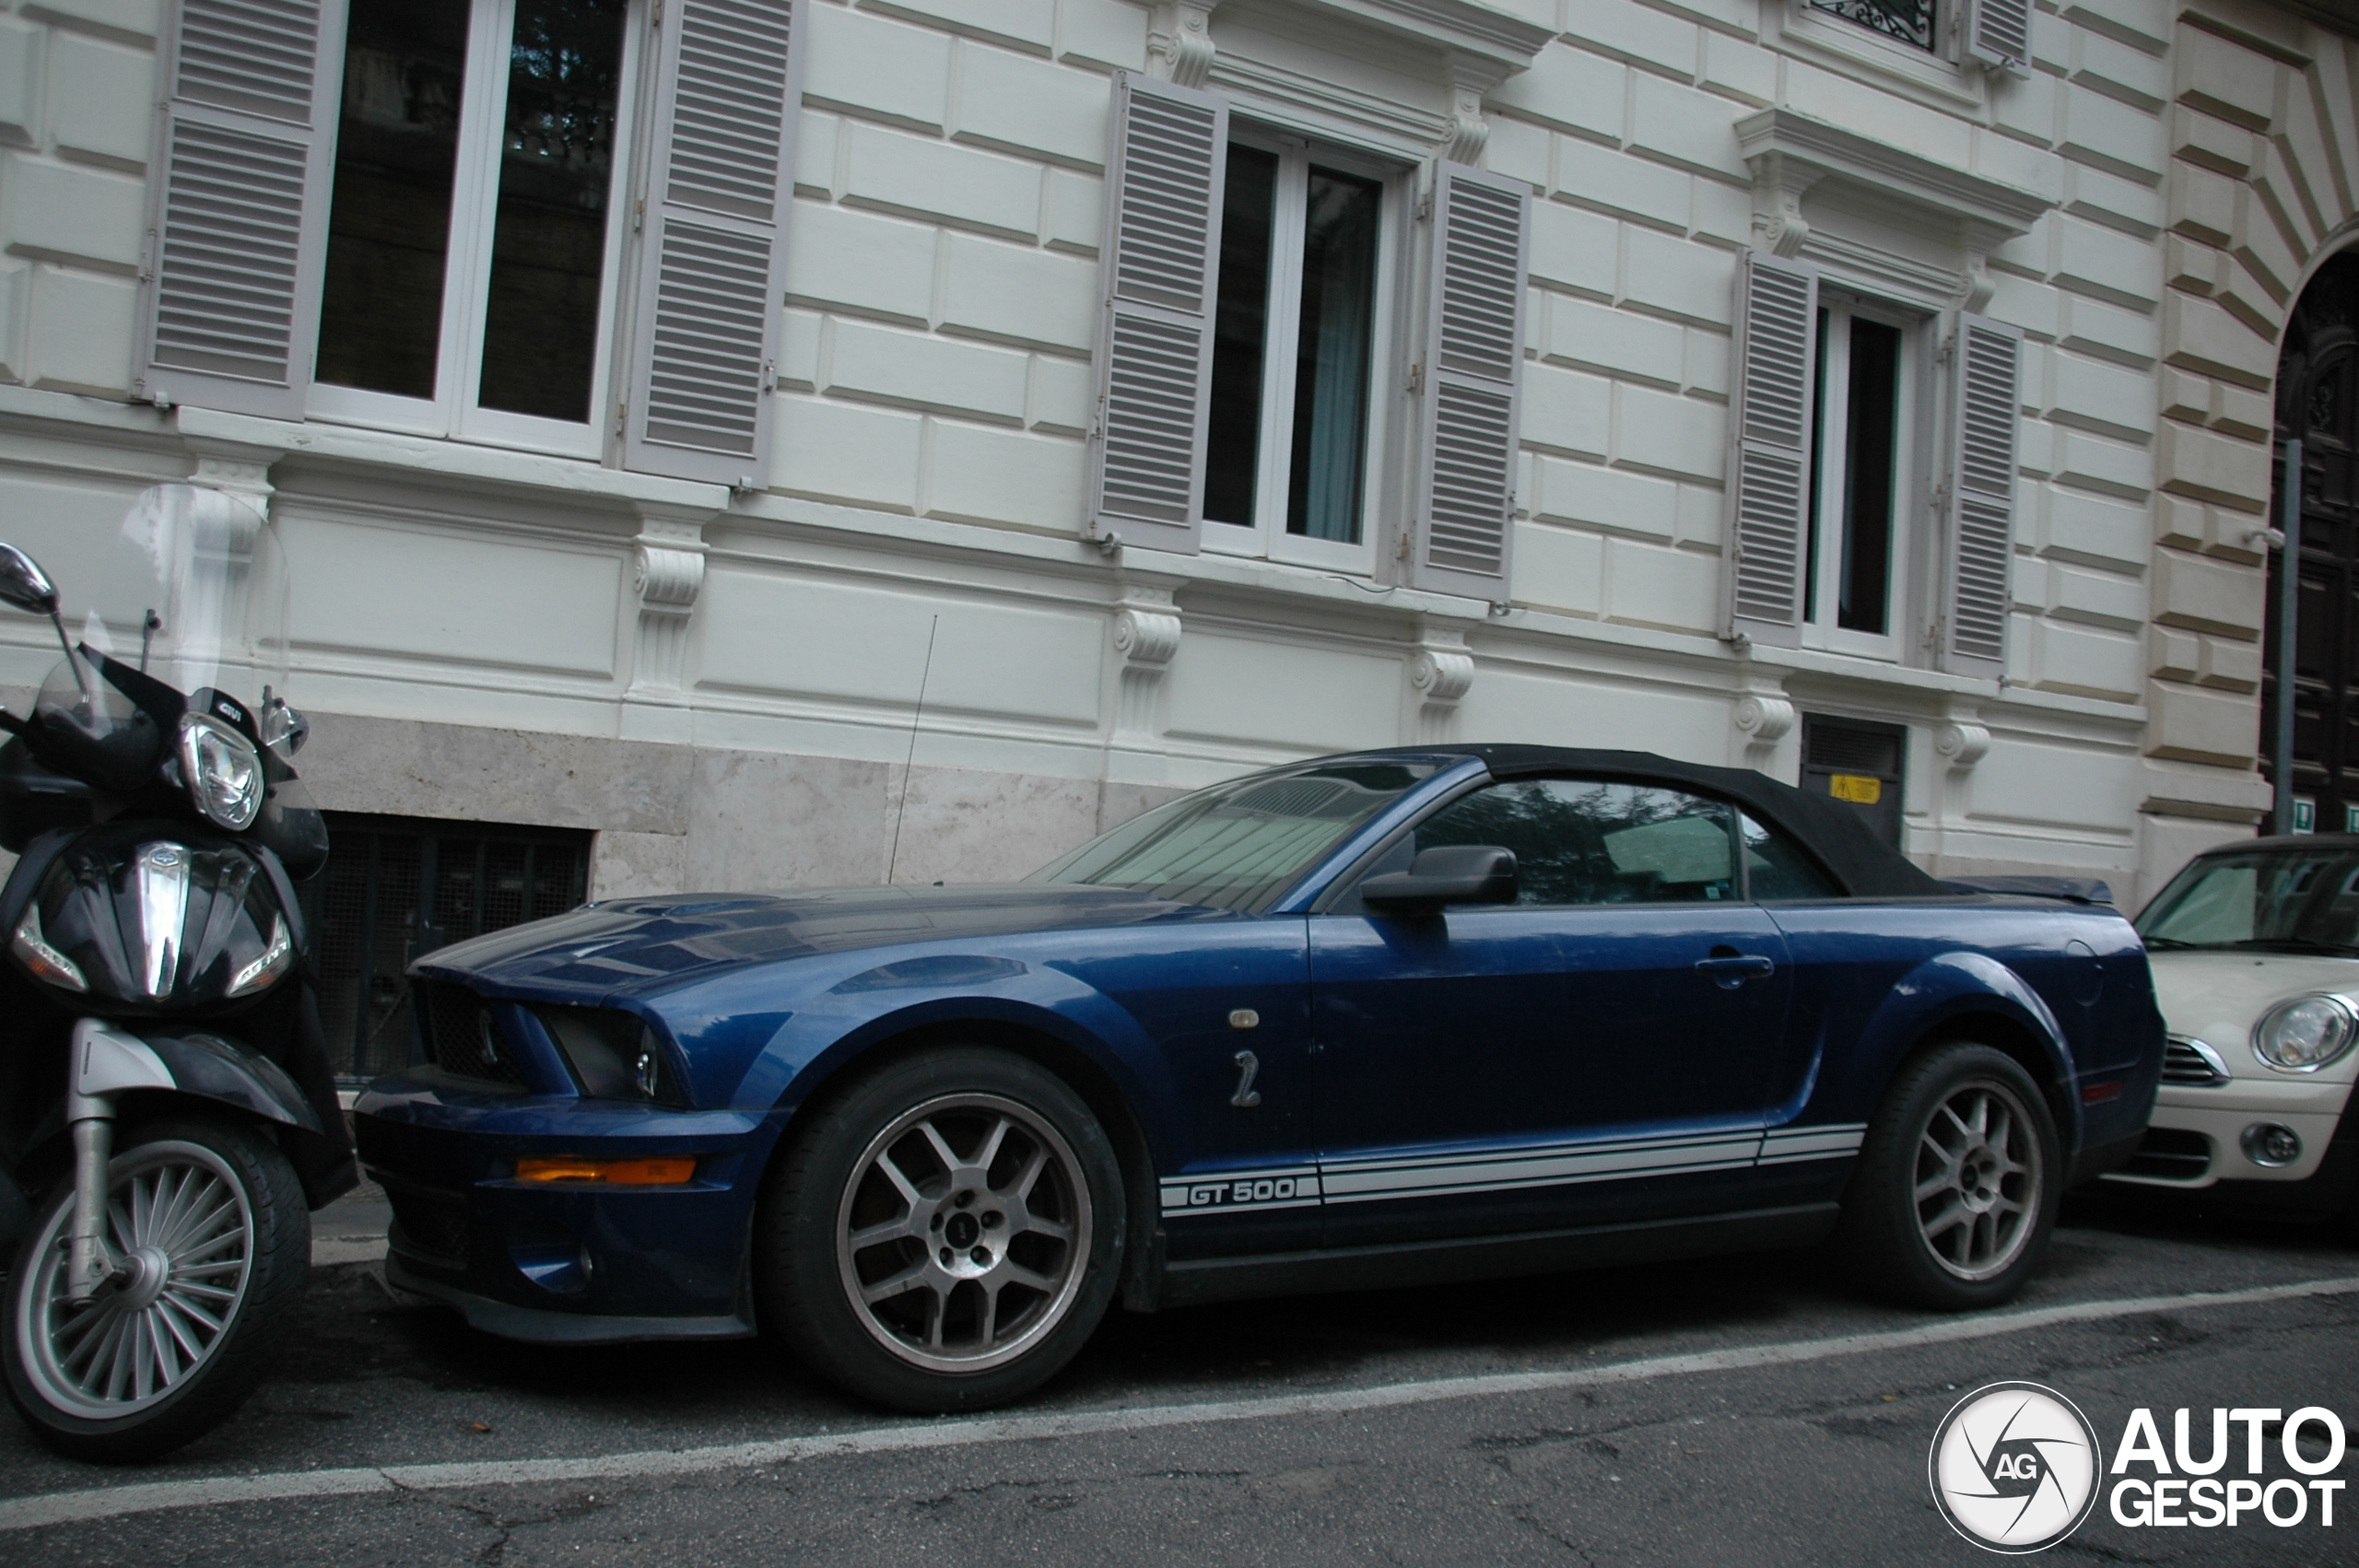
(2305, 1034)
(223, 772)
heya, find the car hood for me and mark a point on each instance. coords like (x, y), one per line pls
(2198, 988)
(634, 945)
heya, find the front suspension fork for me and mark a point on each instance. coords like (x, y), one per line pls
(107, 1063)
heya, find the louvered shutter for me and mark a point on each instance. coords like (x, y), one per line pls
(1997, 33)
(230, 291)
(1161, 268)
(1769, 432)
(712, 264)
(1986, 403)
(1465, 498)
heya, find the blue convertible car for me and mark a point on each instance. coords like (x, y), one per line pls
(1401, 1016)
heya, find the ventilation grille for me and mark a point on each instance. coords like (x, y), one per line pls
(258, 56)
(2184, 1062)
(233, 218)
(1160, 256)
(729, 111)
(463, 1036)
(432, 1230)
(1482, 281)
(1852, 748)
(2171, 1154)
(704, 384)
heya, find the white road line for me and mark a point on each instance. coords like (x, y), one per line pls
(107, 1502)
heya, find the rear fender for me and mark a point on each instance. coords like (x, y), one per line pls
(1938, 994)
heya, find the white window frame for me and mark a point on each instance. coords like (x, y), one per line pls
(467, 276)
(1832, 433)
(1273, 450)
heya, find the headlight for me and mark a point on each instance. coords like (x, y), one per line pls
(613, 1056)
(223, 772)
(2306, 1033)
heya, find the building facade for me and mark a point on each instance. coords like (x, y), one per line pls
(789, 441)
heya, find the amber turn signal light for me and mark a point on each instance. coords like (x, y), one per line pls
(610, 1173)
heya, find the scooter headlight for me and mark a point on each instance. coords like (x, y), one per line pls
(223, 771)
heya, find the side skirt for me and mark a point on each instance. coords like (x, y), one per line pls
(1195, 1280)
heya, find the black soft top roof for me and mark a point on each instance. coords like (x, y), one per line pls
(1864, 864)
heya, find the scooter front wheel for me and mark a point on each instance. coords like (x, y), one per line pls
(212, 1243)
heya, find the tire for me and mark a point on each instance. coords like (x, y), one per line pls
(979, 1183)
(1957, 1186)
(241, 1254)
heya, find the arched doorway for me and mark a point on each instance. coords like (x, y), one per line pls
(2317, 401)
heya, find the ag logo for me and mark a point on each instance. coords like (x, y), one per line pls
(2015, 1467)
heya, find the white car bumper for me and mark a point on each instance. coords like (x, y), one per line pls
(2220, 1115)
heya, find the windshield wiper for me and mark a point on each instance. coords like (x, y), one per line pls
(2170, 944)
(2295, 944)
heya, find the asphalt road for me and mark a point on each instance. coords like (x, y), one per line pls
(1741, 1410)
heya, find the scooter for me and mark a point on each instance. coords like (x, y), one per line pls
(167, 1114)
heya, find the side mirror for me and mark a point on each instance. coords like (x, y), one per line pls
(1453, 873)
(23, 585)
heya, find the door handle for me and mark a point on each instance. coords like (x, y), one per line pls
(1733, 970)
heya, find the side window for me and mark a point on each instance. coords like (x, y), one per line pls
(1776, 869)
(1583, 841)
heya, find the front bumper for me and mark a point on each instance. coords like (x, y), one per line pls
(576, 1263)
(2203, 1131)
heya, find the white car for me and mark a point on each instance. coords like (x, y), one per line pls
(2255, 953)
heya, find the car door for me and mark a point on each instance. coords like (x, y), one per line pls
(1604, 1049)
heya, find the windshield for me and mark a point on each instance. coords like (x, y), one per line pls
(1237, 844)
(2271, 901)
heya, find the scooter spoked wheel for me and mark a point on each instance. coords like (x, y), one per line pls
(213, 1245)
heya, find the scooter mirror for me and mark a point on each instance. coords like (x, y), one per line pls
(24, 585)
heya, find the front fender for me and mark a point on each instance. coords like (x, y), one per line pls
(1951, 985)
(215, 1067)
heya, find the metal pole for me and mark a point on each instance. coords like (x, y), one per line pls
(2289, 596)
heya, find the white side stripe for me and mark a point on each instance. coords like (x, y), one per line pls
(1384, 1176)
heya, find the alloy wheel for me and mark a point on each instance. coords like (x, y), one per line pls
(1978, 1181)
(180, 1229)
(964, 1233)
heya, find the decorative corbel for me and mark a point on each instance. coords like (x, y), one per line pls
(1763, 719)
(1441, 672)
(667, 569)
(1778, 182)
(1179, 42)
(1961, 742)
(234, 468)
(1146, 635)
(1466, 133)
(1974, 282)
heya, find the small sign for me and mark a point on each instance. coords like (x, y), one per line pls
(1856, 787)
(2306, 815)
(2351, 819)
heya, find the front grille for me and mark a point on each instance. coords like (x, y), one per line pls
(2171, 1154)
(432, 1230)
(2192, 1062)
(463, 1034)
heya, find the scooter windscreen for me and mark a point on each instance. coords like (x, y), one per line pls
(177, 669)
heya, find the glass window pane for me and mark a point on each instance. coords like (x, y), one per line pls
(389, 221)
(1776, 870)
(549, 237)
(1240, 334)
(1818, 454)
(1332, 356)
(2306, 902)
(1578, 841)
(1871, 446)
(1235, 844)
